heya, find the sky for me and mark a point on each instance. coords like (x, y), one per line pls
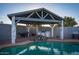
(61, 9)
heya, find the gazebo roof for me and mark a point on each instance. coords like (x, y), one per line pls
(40, 15)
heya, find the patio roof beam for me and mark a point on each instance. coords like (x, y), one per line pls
(42, 13)
(37, 19)
(30, 15)
(51, 16)
(38, 15)
(17, 21)
(26, 17)
(45, 15)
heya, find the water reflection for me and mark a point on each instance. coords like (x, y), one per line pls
(56, 51)
(32, 47)
(62, 48)
(13, 51)
(54, 48)
(23, 51)
(44, 48)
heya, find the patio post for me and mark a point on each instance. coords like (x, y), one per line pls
(37, 29)
(28, 30)
(13, 30)
(52, 34)
(62, 30)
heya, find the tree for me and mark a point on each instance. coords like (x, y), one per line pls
(69, 21)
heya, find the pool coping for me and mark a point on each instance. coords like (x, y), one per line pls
(20, 43)
(65, 40)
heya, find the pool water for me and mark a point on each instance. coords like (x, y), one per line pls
(42, 48)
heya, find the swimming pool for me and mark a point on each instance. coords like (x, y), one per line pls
(42, 48)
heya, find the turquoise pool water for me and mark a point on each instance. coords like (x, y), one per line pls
(42, 48)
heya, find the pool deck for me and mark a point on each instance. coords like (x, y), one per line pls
(64, 40)
(21, 41)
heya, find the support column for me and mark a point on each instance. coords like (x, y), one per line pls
(37, 29)
(13, 30)
(28, 29)
(52, 34)
(62, 30)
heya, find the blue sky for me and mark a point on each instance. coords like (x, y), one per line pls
(61, 9)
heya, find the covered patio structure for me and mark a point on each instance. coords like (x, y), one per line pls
(35, 17)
